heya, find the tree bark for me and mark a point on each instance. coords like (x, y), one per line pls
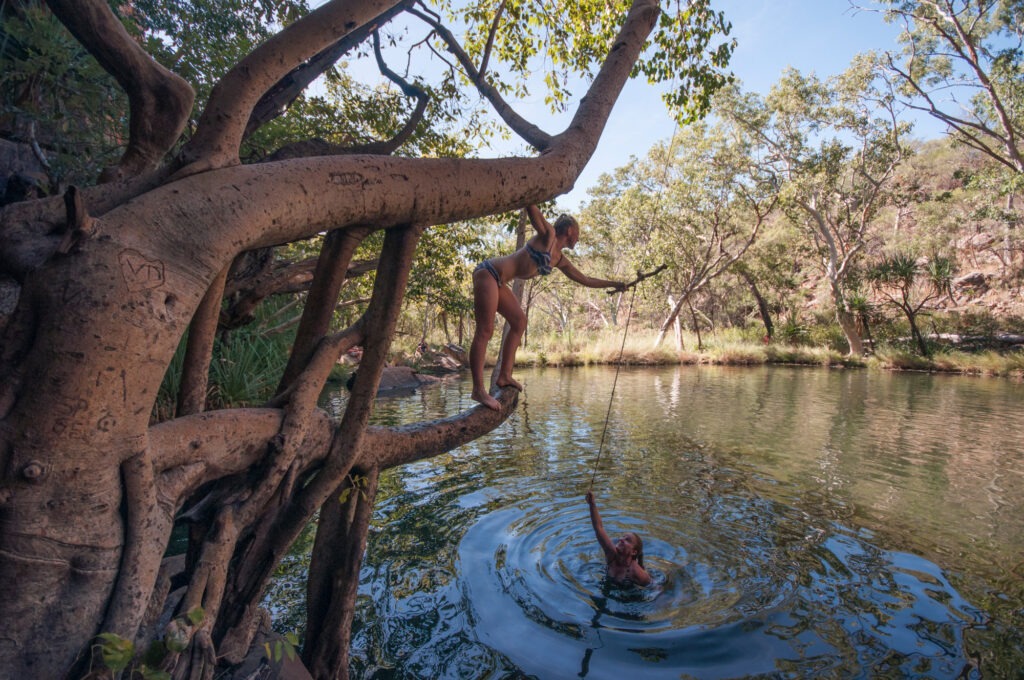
(87, 488)
(677, 326)
(696, 326)
(848, 323)
(160, 101)
(334, 575)
(331, 272)
(195, 370)
(762, 304)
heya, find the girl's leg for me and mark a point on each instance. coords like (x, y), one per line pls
(508, 307)
(485, 305)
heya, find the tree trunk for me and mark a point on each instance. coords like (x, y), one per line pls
(848, 323)
(89, 489)
(865, 322)
(334, 575)
(915, 332)
(677, 326)
(674, 309)
(762, 304)
(1011, 224)
(696, 327)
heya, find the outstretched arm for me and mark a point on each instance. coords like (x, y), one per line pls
(595, 520)
(589, 281)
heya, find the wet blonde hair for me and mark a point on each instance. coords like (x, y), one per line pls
(639, 549)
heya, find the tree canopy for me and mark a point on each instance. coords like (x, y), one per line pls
(961, 62)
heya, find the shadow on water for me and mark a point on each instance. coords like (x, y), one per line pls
(798, 523)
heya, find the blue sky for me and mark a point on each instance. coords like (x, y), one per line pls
(819, 36)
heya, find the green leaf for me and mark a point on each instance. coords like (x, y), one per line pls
(116, 651)
(176, 644)
(154, 674)
(195, 615)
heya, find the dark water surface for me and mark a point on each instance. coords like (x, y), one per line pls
(797, 522)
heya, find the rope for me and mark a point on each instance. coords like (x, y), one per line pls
(615, 382)
(640, 277)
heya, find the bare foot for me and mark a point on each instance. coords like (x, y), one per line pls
(485, 399)
(508, 382)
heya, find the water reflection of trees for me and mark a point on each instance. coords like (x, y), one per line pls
(931, 465)
(932, 457)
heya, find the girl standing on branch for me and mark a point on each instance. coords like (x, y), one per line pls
(541, 254)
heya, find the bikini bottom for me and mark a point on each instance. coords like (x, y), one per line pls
(489, 268)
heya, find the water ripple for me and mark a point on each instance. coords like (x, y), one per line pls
(797, 544)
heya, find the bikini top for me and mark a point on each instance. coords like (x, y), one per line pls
(541, 258)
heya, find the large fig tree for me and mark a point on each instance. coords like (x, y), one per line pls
(110, 277)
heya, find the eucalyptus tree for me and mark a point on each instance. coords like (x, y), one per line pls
(111, 276)
(962, 63)
(834, 146)
(695, 204)
(772, 270)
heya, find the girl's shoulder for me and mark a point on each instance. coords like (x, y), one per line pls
(639, 575)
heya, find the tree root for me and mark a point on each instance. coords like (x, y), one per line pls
(147, 530)
(334, 574)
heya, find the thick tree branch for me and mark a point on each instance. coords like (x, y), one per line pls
(389, 447)
(287, 90)
(233, 440)
(222, 126)
(331, 272)
(228, 441)
(334, 574)
(195, 369)
(160, 101)
(147, 531)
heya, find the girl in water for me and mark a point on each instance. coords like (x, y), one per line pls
(625, 555)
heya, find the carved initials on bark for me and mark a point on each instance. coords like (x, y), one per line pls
(139, 272)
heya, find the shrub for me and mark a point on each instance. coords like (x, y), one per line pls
(828, 335)
(738, 355)
(903, 360)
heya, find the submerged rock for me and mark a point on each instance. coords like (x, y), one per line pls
(397, 378)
